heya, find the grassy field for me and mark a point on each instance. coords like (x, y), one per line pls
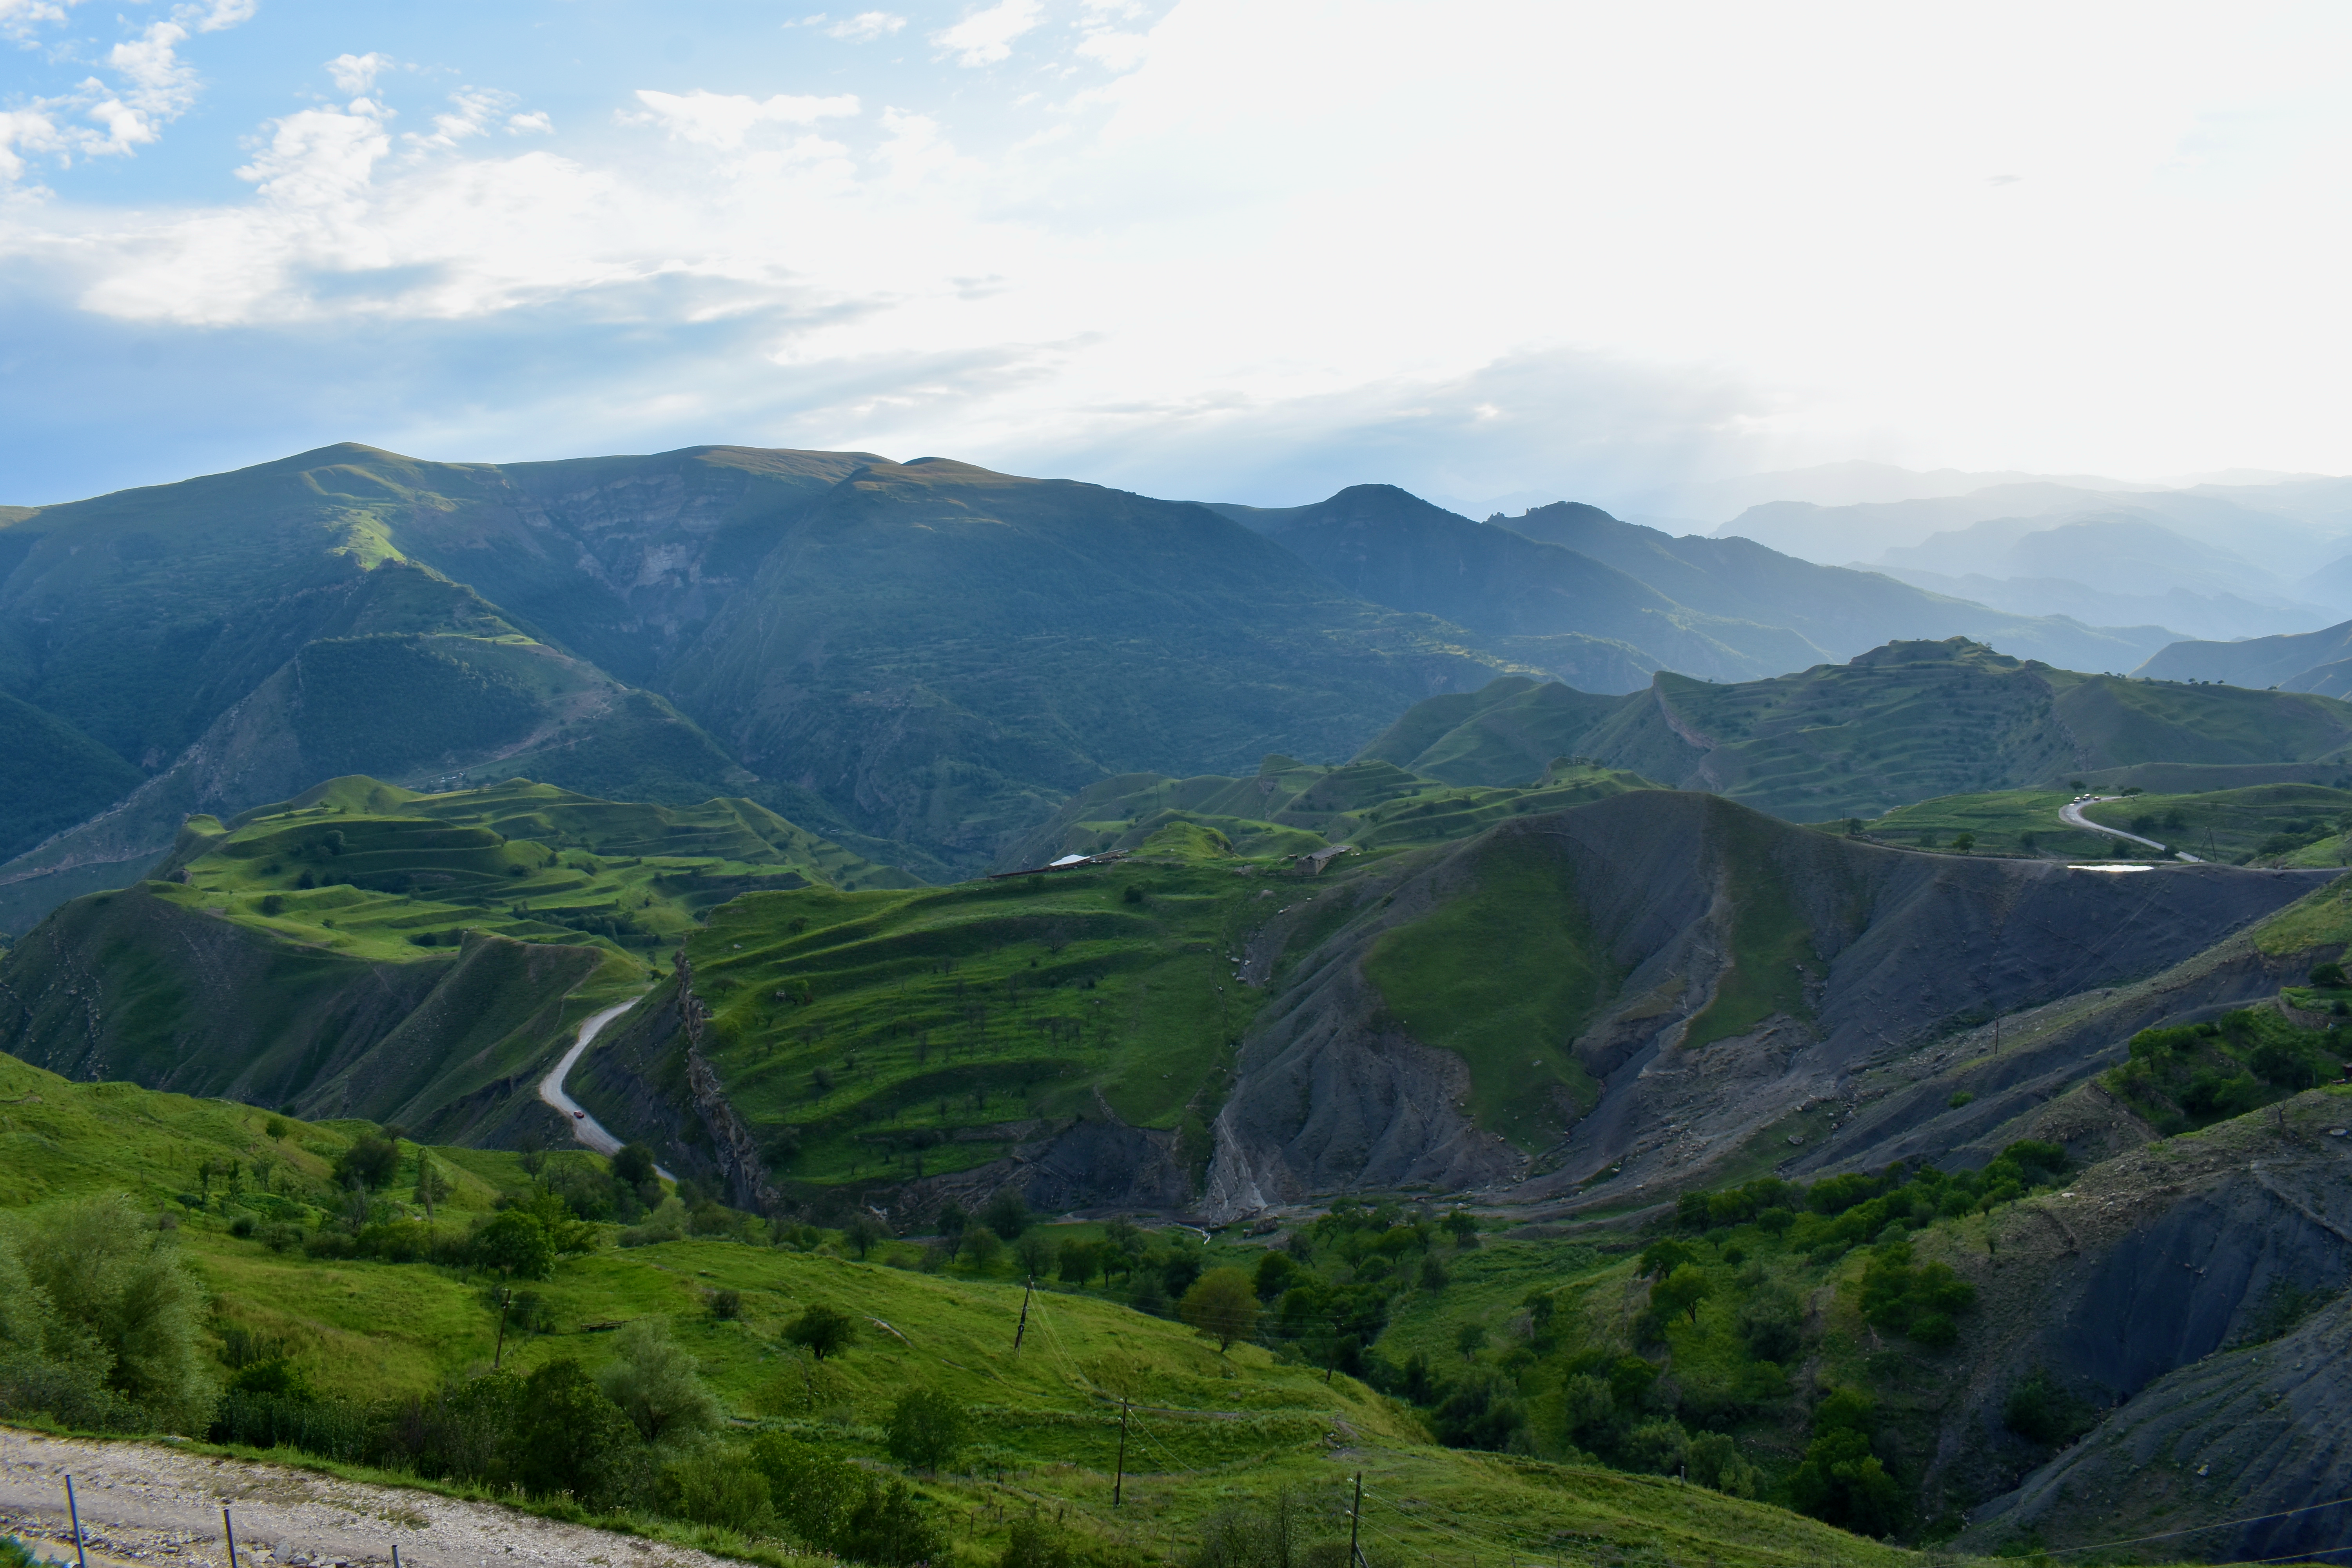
(1998, 822)
(2273, 824)
(375, 872)
(1207, 1431)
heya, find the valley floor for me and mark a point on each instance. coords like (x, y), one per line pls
(142, 1502)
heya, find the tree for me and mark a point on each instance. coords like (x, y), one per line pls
(1080, 1261)
(2328, 976)
(823, 1331)
(654, 1383)
(516, 1245)
(1840, 1480)
(954, 1223)
(572, 1440)
(981, 1246)
(432, 1187)
(1034, 1254)
(369, 1163)
(1221, 1305)
(634, 1164)
(1007, 1215)
(1682, 1291)
(1964, 842)
(861, 1233)
(120, 1313)
(926, 1429)
(1716, 1461)
(1463, 1226)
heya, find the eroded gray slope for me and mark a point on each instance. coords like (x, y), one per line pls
(1891, 951)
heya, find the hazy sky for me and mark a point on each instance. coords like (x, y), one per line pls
(1244, 250)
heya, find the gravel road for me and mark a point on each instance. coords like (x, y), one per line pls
(147, 1502)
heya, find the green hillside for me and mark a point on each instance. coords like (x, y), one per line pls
(308, 1329)
(1507, 731)
(1910, 722)
(52, 775)
(366, 950)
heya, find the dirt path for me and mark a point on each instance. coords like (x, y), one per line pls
(145, 1502)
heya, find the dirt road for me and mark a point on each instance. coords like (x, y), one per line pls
(145, 1502)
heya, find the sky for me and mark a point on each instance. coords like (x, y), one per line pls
(1243, 250)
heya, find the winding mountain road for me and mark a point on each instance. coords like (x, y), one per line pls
(2070, 813)
(585, 1127)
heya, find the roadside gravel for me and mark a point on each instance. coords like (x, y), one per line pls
(147, 1502)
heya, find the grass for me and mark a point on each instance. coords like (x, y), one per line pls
(1999, 822)
(2284, 823)
(941, 1024)
(371, 870)
(1207, 1430)
(1504, 976)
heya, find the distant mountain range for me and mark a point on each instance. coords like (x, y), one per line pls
(920, 661)
(2212, 561)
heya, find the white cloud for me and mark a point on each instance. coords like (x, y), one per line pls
(19, 19)
(1119, 51)
(723, 120)
(986, 37)
(475, 110)
(220, 14)
(99, 119)
(355, 75)
(535, 124)
(865, 27)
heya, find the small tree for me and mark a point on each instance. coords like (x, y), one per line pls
(1007, 1215)
(981, 1247)
(369, 1163)
(1682, 1290)
(432, 1187)
(1964, 842)
(573, 1440)
(1034, 1254)
(954, 1223)
(861, 1233)
(1221, 1305)
(823, 1331)
(634, 1164)
(516, 1245)
(1463, 1226)
(926, 1429)
(2328, 976)
(654, 1383)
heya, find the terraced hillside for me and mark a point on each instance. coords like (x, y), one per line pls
(363, 948)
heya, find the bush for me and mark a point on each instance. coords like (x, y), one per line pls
(369, 1163)
(1660, 1447)
(2329, 975)
(889, 1526)
(516, 1245)
(2041, 1411)
(1841, 1480)
(1033, 1545)
(573, 1440)
(926, 1429)
(97, 1309)
(813, 1492)
(711, 1487)
(1716, 1461)
(653, 1383)
(726, 1305)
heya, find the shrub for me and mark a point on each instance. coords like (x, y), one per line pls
(711, 1487)
(726, 1305)
(1716, 1461)
(369, 1163)
(572, 1440)
(823, 1331)
(1661, 1448)
(2040, 1410)
(926, 1429)
(116, 1310)
(1031, 1545)
(813, 1492)
(653, 1383)
(887, 1527)
(516, 1245)
(2329, 975)
(1840, 1480)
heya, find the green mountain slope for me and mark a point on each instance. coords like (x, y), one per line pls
(945, 652)
(1509, 729)
(1914, 720)
(2303, 661)
(364, 950)
(1206, 1431)
(52, 775)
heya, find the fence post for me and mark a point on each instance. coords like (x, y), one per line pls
(74, 1514)
(229, 1529)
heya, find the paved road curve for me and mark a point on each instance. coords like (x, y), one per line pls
(585, 1127)
(2070, 813)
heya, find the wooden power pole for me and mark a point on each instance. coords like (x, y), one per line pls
(1022, 1327)
(1118, 1478)
(1355, 1517)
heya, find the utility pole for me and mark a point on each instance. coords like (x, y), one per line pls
(230, 1530)
(1118, 1478)
(1355, 1517)
(1024, 1326)
(505, 1301)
